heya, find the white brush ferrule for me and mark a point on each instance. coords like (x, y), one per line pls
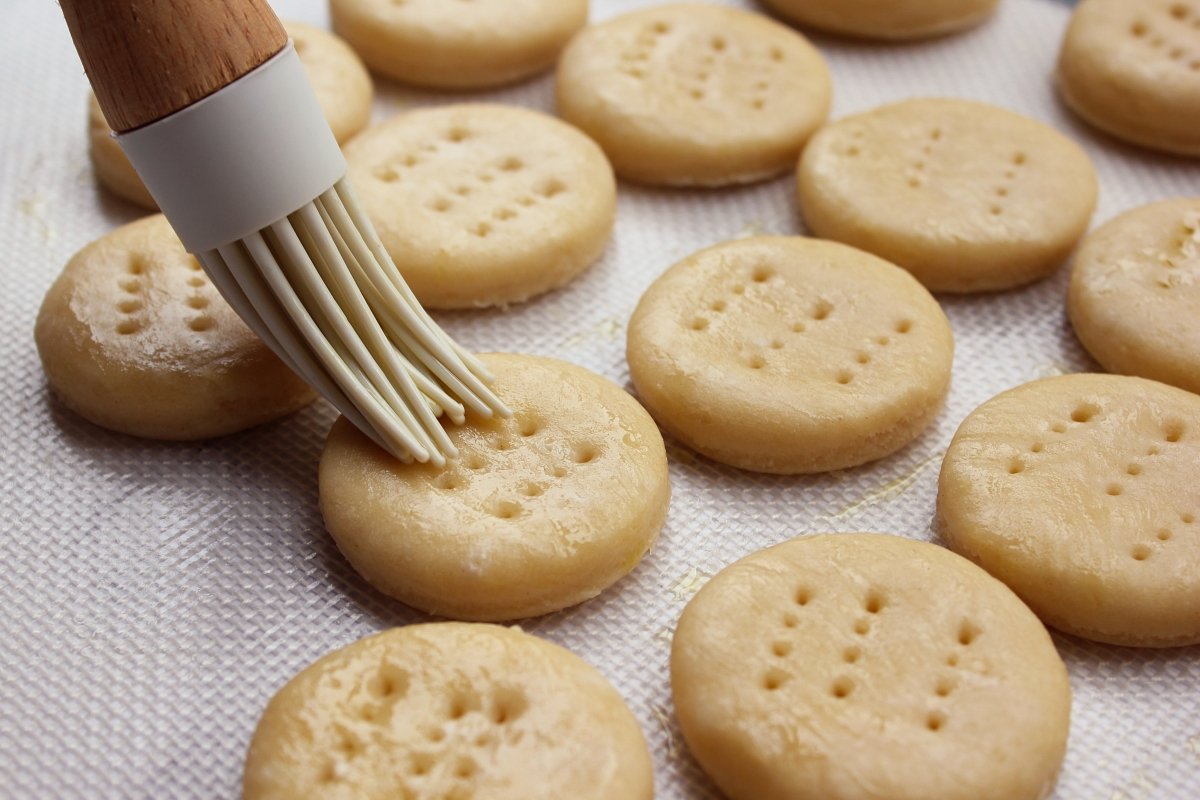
(240, 159)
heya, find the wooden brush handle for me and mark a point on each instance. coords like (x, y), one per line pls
(147, 59)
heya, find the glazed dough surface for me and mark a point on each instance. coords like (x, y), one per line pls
(1133, 69)
(448, 710)
(694, 95)
(1081, 493)
(886, 19)
(967, 197)
(868, 667)
(1135, 293)
(484, 205)
(135, 338)
(458, 45)
(790, 355)
(540, 512)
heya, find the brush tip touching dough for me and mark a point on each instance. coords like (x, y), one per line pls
(540, 511)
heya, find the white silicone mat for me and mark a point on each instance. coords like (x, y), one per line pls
(153, 596)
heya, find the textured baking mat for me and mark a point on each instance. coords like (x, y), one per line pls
(154, 596)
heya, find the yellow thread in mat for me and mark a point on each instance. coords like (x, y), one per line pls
(35, 208)
(750, 230)
(684, 588)
(1140, 788)
(665, 635)
(1051, 371)
(610, 328)
(664, 720)
(891, 489)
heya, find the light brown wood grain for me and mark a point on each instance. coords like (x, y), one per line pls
(147, 59)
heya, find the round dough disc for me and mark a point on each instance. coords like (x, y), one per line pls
(1135, 293)
(448, 710)
(109, 162)
(1132, 69)
(790, 355)
(135, 338)
(539, 512)
(484, 205)
(1081, 493)
(856, 666)
(456, 45)
(338, 77)
(966, 196)
(886, 19)
(694, 95)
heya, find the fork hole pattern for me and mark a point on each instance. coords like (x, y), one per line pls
(1178, 20)
(917, 173)
(1004, 189)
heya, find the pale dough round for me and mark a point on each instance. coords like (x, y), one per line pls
(790, 355)
(1132, 69)
(694, 95)
(1135, 293)
(458, 45)
(966, 196)
(448, 710)
(868, 667)
(483, 205)
(539, 512)
(134, 337)
(886, 19)
(1081, 493)
(338, 76)
(340, 80)
(109, 162)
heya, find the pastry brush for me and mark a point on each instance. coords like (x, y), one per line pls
(212, 105)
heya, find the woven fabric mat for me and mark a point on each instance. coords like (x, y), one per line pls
(154, 596)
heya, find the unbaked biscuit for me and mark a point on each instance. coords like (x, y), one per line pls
(886, 19)
(448, 710)
(109, 162)
(338, 76)
(134, 337)
(694, 95)
(860, 666)
(1081, 493)
(484, 205)
(966, 196)
(340, 80)
(790, 355)
(1135, 293)
(1132, 68)
(539, 512)
(456, 45)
